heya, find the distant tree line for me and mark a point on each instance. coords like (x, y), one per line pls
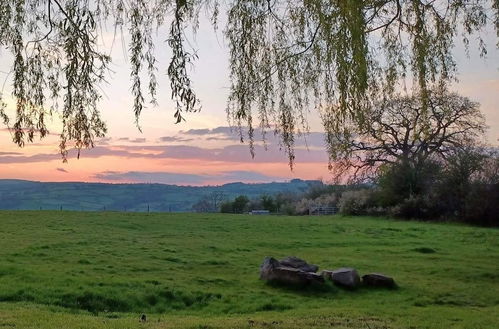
(463, 188)
(241, 204)
(408, 162)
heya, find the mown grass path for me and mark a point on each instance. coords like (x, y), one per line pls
(102, 270)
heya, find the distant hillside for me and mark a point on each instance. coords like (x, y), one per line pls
(28, 195)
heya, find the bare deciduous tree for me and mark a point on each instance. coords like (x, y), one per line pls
(400, 130)
(210, 202)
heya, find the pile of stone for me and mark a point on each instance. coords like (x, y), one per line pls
(296, 271)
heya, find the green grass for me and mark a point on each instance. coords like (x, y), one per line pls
(102, 270)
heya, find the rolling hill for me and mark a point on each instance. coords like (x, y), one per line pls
(30, 195)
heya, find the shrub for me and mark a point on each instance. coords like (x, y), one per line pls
(376, 211)
(288, 209)
(411, 207)
(469, 186)
(481, 206)
(227, 207)
(398, 182)
(268, 203)
(302, 206)
(356, 202)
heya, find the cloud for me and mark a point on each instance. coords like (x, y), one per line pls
(28, 159)
(313, 139)
(9, 153)
(241, 153)
(185, 179)
(96, 152)
(62, 170)
(218, 133)
(188, 145)
(174, 139)
(27, 130)
(138, 140)
(247, 176)
(231, 153)
(151, 177)
(215, 138)
(223, 133)
(104, 141)
(223, 130)
(196, 132)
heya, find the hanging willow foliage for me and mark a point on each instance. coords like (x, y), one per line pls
(286, 58)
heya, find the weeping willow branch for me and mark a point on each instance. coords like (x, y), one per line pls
(286, 59)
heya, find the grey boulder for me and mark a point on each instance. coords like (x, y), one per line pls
(267, 267)
(345, 277)
(378, 280)
(295, 262)
(272, 270)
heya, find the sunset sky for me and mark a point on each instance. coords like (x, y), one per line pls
(202, 150)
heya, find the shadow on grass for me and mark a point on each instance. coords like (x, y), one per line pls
(425, 250)
(326, 289)
(156, 301)
(312, 289)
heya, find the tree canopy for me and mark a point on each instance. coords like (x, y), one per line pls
(398, 130)
(286, 58)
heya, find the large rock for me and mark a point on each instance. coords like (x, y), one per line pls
(267, 268)
(378, 280)
(293, 276)
(298, 263)
(345, 277)
(272, 270)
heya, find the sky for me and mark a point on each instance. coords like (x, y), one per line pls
(204, 150)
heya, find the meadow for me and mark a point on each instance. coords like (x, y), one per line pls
(104, 269)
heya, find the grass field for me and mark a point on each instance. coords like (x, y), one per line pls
(102, 270)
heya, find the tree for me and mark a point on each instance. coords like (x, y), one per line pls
(469, 186)
(215, 199)
(227, 207)
(239, 204)
(285, 202)
(286, 56)
(268, 203)
(202, 205)
(399, 130)
(458, 176)
(402, 181)
(210, 202)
